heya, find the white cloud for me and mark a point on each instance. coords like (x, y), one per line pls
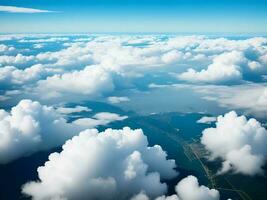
(99, 119)
(5, 48)
(172, 56)
(140, 196)
(77, 55)
(116, 100)
(91, 81)
(239, 142)
(70, 110)
(115, 164)
(13, 75)
(249, 97)
(14, 60)
(14, 9)
(206, 120)
(187, 189)
(225, 68)
(120, 61)
(30, 127)
(254, 65)
(38, 46)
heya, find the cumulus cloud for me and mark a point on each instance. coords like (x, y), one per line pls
(239, 142)
(206, 120)
(30, 127)
(12, 75)
(5, 48)
(92, 80)
(187, 189)
(230, 59)
(102, 118)
(83, 169)
(116, 100)
(15, 9)
(70, 110)
(112, 53)
(225, 68)
(16, 60)
(171, 56)
(75, 55)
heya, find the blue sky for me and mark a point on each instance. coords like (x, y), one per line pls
(182, 16)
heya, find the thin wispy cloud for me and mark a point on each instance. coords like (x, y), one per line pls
(14, 9)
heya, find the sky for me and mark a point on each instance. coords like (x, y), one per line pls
(178, 16)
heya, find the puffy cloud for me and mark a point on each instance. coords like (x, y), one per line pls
(206, 120)
(239, 142)
(98, 119)
(92, 80)
(183, 42)
(13, 75)
(83, 169)
(114, 55)
(5, 48)
(254, 65)
(76, 55)
(115, 100)
(70, 110)
(171, 56)
(140, 196)
(225, 68)
(30, 127)
(187, 189)
(14, 60)
(124, 60)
